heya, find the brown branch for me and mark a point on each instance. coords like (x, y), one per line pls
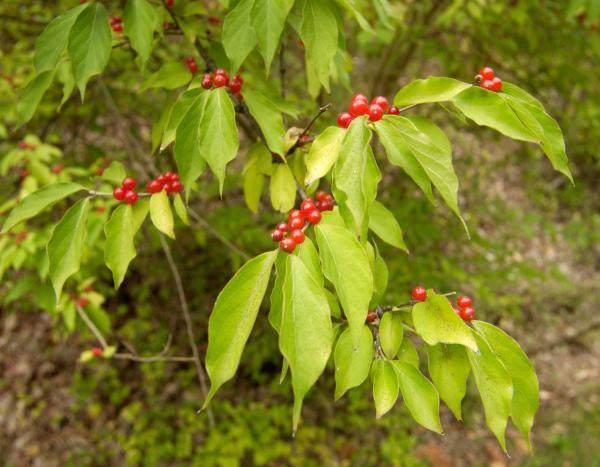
(188, 322)
(321, 111)
(91, 326)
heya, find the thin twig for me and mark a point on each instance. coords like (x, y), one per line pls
(188, 322)
(91, 326)
(409, 303)
(321, 111)
(158, 358)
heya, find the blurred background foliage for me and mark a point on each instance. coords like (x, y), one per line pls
(532, 264)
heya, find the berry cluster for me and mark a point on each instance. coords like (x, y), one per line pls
(126, 192)
(167, 181)
(192, 65)
(487, 80)
(116, 23)
(359, 105)
(465, 309)
(309, 212)
(220, 78)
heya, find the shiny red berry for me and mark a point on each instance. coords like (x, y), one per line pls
(394, 110)
(117, 28)
(329, 198)
(287, 244)
(487, 73)
(207, 81)
(58, 168)
(169, 3)
(496, 84)
(131, 197)
(381, 102)
(358, 108)
(295, 213)
(463, 301)
(327, 205)
(193, 66)
(359, 97)
(97, 352)
(375, 113)
(456, 310)
(488, 84)
(307, 206)
(176, 186)
(168, 187)
(371, 316)
(296, 223)
(276, 235)
(119, 194)
(467, 314)
(344, 119)
(314, 217)
(82, 302)
(161, 179)
(283, 227)
(321, 195)
(298, 236)
(235, 86)
(154, 186)
(220, 80)
(128, 184)
(419, 293)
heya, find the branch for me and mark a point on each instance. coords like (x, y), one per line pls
(409, 303)
(91, 326)
(321, 111)
(188, 322)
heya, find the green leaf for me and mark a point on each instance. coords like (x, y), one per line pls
(39, 200)
(531, 112)
(400, 154)
(449, 369)
(233, 317)
(238, 35)
(488, 108)
(268, 117)
(268, 20)
(282, 188)
(188, 138)
(385, 386)
(323, 153)
(346, 265)
(180, 209)
(380, 279)
(114, 173)
(430, 146)
(432, 89)
(161, 214)
(253, 185)
(334, 306)
(277, 292)
(525, 400)
(140, 212)
(52, 42)
(356, 174)
(408, 353)
(360, 19)
(32, 95)
(180, 109)
(64, 75)
(383, 223)
(89, 44)
(219, 135)
(390, 334)
(139, 21)
(65, 246)
(420, 396)
(495, 387)
(171, 75)
(119, 249)
(306, 335)
(435, 321)
(307, 252)
(352, 363)
(319, 32)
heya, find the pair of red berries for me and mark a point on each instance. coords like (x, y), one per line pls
(465, 309)
(167, 181)
(309, 212)
(116, 23)
(487, 80)
(192, 65)
(126, 192)
(220, 78)
(359, 105)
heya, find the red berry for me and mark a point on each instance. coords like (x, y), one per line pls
(394, 110)
(169, 3)
(487, 73)
(220, 80)
(463, 301)
(58, 168)
(154, 186)
(176, 186)
(375, 113)
(359, 97)
(283, 227)
(297, 236)
(221, 71)
(381, 102)
(117, 28)
(371, 316)
(287, 244)
(344, 119)
(168, 187)
(214, 20)
(276, 235)
(321, 195)
(99, 171)
(169, 176)
(235, 86)
(131, 197)
(193, 67)
(295, 213)
(329, 198)
(314, 217)
(207, 81)
(326, 205)
(296, 223)
(456, 310)
(467, 314)
(176, 178)
(488, 84)
(128, 184)
(496, 84)
(307, 206)
(358, 108)
(24, 173)
(97, 352)
(239, 78)
(119, 194)
(419, 293)
(161, 179)
(82, 302)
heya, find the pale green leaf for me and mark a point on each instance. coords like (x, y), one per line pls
(171, 75)
(238, 34)
(352, 362)
(432, 89)
(391, 333)
(161, 214)
(307, 252)
(268, 20)
(323, 153)
(383, 223)
(119, 249)
(269, 119)
(140, 212)
(449, 369)
(114, 173)
(180, 209)
(385, 386)
(277, 291)
(380, 279)
(282, 188)
(408, 353)
(186, 101)
(253, 185)
(139, 21)
(32, 95)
